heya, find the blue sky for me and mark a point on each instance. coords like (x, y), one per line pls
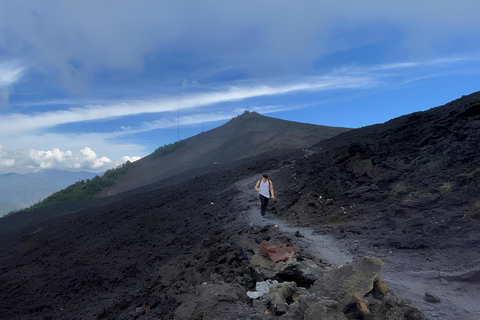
(87, 85)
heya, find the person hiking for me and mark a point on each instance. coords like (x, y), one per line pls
(264, 187)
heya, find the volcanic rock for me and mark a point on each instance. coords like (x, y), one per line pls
(276, 253)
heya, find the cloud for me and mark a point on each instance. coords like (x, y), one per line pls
(346, 77)
(81, 39)
(206, 117)
(26, 123)
(19, 160)
(28, 160)
(10, 74)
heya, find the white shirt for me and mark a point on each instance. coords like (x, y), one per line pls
(264, 188)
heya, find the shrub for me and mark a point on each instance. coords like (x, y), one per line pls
(168, 148)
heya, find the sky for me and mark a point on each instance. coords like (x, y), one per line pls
(90, 84)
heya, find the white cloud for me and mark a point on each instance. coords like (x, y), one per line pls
(199, 118)
(27, 160)
(27, 123)
(183, 121)
(33, 146)
(349, 77)
(10, 74)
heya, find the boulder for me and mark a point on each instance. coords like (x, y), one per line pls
(379, 288)
(430, 297)
(392, 308)
(344, 282)
(279, 294)
(361, 167)
(267, 267)
(324, 309)
(213, 301)
(361, 304)
(276, 252)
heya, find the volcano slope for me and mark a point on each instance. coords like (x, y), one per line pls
(190, 251)
(410, 183)
(406, 191)
(246, 136)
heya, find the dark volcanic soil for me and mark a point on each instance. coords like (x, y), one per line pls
(186, 252)
(121, 260)
(405, 191)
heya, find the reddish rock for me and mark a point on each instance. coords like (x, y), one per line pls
(277, 252)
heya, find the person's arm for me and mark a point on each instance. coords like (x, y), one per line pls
(272, 194)
(257, 186)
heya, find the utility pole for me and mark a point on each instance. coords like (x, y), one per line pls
(178, 119)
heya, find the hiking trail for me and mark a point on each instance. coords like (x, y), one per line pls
(409, 274)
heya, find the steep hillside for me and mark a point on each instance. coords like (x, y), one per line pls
(189, 251)
(412, 182)
(247, 137)
(243, 137)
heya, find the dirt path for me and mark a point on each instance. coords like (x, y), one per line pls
(409, 274)
(323, 246)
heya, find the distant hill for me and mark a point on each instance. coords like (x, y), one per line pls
(22, 190)
(7, 207)
(246, 136)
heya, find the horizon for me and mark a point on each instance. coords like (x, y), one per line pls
(87, 86)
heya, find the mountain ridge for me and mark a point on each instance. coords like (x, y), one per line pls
(247, 135)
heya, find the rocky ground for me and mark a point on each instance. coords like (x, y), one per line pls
(384, 221)
(179, 254)
(405, 191)
(442, 284)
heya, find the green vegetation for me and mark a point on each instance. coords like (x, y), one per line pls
(168, 148)
(82, 190)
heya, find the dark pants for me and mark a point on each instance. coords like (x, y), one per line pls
(264, 202)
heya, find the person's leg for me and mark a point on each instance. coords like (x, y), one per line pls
(266, 203)
(263, 204)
